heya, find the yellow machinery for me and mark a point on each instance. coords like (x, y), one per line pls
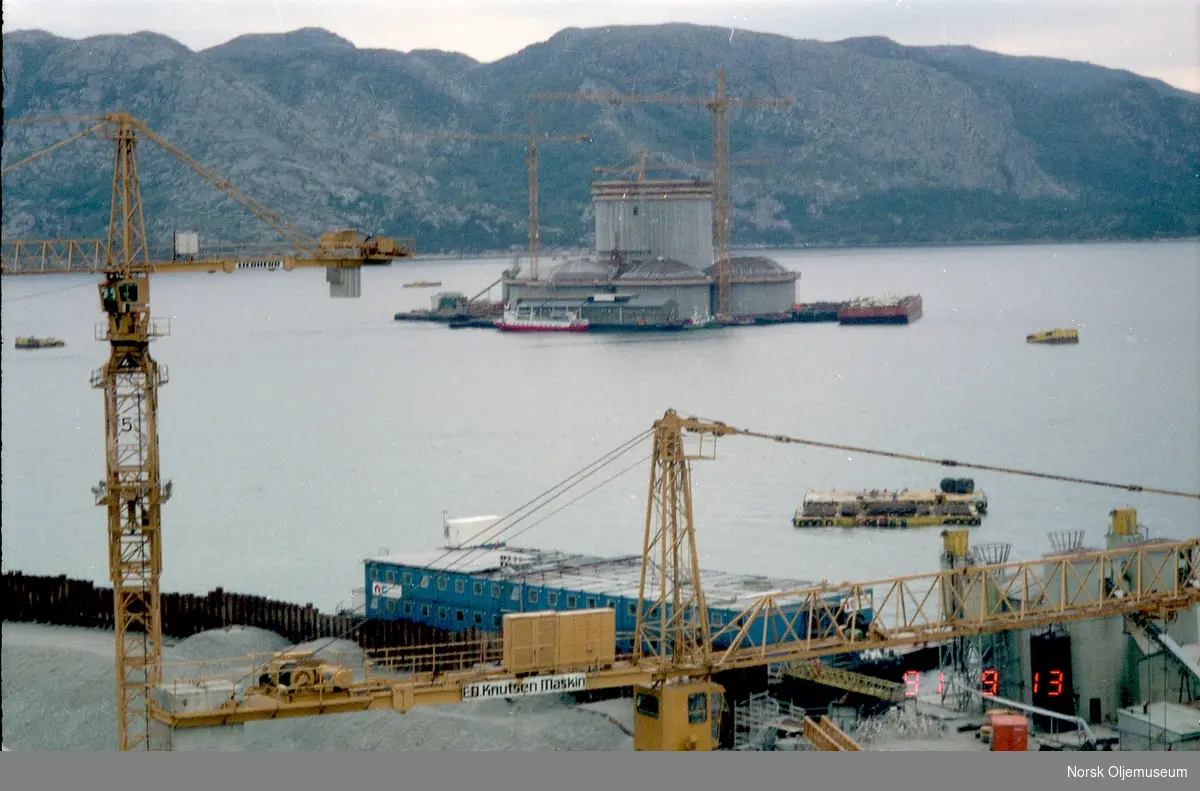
(1055, 336)
(133, 490)
(298, 671)
(676, 651)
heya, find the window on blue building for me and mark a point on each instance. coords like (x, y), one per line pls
(408, 608)
(425, 610)
(591, 602)
(442, 613)
(632, 608)
(459, 586)
(551, 599)
(516, 593)
(374, 575)
(717, 619)
(571, 601)
(406, 578)
(495, 590)
(496, 621)
(391, 605)
(533, 597)
(477, 589)
(424, 580)
(460, 615)
(610, 604)
(479, 619)
(390, 577)
(441, 583)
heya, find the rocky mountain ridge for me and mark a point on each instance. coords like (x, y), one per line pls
(883, 144)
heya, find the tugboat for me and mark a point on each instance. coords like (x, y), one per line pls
(33, 342)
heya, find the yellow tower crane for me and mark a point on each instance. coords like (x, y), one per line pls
(532, 139)
(676, 650)
(722, 207)
(133, 490)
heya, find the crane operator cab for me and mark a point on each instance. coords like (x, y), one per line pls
(124, 295)
(126, 300)
(678, 715)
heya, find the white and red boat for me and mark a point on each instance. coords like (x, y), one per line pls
(523, 319)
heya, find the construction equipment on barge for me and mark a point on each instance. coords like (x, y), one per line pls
(886, 514)
(34, 342)
(955, 502)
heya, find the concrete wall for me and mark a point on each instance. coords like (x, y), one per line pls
(690, 298)
(679, 228)
(1104, 662)
(1157, 729)
(188, 697)
(749, 299)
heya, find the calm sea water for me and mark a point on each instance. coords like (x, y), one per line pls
(304, 433)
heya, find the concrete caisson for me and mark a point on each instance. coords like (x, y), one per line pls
(667, 278)
(654, 240)
(672, 219)
(761, 286)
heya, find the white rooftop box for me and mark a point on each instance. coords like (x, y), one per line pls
(470, 531)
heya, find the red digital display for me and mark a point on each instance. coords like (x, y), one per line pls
(989, 681)
(1054, 684)
(912, 683)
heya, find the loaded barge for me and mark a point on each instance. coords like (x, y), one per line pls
(888, 310)
(956, 502)
(469, 586)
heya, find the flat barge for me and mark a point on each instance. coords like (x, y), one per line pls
(886, 310)
(470, 587)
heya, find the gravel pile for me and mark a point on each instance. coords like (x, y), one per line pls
(58, 694)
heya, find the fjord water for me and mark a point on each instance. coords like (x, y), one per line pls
(304, 433)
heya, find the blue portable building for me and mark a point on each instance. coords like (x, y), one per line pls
(464, 588)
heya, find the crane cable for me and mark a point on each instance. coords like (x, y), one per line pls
(581, 475)
(455, 567)
(781, 438)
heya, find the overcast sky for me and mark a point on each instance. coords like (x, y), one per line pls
(1158, 38)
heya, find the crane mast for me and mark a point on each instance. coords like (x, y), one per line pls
(722, 235)
(673, 621)
(132, 491)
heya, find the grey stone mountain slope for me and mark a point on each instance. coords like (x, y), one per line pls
(884, 144)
